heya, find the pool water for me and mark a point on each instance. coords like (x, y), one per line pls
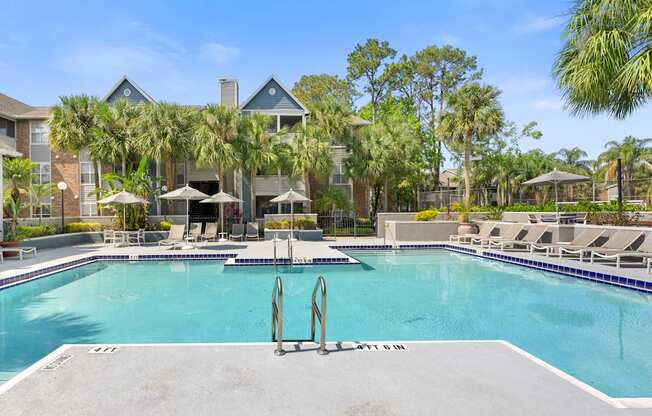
(599, 334)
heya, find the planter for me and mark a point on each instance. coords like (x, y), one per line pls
(303, 235)
(10, 244)
(467, 228)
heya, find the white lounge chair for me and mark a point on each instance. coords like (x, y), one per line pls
(175, 236)
(533, 235)
(195, 231)
(237, 232)
(210, 233)
(19, 250)
(583, 240)
(252, 231)
(643, 253)
(620, 241)
(110, 237)
(507, 233)
(484, 232)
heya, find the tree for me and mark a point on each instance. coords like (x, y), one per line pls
(312, 90)
(440, 71)
(573, 157)
(38, 192)
(256, 147)
(632, 152)
(311, 155)
(475, 115)
(116, 132)
(17, 174)
(333, 120)
(74, 125)
(368, 62)
(605, 62)
(214, 139)
(164, 134)
(331, 199)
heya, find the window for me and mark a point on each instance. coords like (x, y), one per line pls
(41, 173)
(339, 177)
(88, 209)
(7, 127)
(39, 132)
(46, 208)
(87, 174)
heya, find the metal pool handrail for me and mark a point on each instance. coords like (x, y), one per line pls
(320, 314)
(277, 316)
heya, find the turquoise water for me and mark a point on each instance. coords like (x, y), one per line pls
(599, 334)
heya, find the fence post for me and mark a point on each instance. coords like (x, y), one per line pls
(334, 226)
(355, 223)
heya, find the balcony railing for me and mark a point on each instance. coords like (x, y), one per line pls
(275, 185)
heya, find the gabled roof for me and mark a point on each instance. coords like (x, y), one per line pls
(285, 89)
(11, 107)
(35, 113)
(123, 79)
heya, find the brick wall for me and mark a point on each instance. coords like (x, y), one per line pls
(65, 167)
(22, 137)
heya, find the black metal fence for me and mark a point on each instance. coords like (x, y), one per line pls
(344, 225)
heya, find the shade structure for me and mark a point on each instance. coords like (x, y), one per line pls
(220, 198)
(187, 194)
(556, 177)
(123, 198)
(290, 197)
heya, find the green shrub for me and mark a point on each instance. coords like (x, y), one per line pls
(277, 225)
(30, 231)
(305, 224)
(494, 214)
(80, 227)
(164, 225)
(427, 215)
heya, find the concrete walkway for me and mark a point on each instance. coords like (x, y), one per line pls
(427, 378)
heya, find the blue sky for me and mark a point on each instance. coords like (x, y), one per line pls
(177, 51)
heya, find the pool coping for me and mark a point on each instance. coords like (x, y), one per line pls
(615, 402)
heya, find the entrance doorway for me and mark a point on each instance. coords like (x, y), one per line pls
(205, 212)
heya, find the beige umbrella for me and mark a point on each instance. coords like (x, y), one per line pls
(220, 198)
(123, 198)
(185, 194)
(556, 177)
(290, 197)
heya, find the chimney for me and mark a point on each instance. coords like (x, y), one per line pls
(229, 92)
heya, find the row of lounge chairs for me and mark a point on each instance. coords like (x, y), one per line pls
(178, 233)
(590, 244)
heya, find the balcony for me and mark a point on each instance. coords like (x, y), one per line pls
(272, 185)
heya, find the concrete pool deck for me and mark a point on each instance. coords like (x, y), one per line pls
(426, 378)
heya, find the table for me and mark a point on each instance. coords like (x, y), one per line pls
(223, 236)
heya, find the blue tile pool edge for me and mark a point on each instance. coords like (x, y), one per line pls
(577, 272)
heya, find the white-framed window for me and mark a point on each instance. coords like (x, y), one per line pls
(339, 175)
(89, 209)
(87, 173)
(42, 173)
(45, 207)
(39, 132)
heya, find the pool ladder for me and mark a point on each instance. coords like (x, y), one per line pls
(317, 313)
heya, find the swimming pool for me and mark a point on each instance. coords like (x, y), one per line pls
(597, 333)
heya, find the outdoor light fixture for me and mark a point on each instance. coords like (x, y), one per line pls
(62, 187)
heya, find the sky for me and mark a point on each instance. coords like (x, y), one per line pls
(176, 51)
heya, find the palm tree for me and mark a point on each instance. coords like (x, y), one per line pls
(475, 114)
(257, 150)
(333, 120)
(74, 125)
(17, 174)
(310, 155)
(573, 158)
(117, 131)
(214, 139)
(604, 64)
(632, 152)
(164, 134)
(37, 193)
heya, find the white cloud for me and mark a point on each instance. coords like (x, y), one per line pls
(548, 104)
(218, 54)
(539, 24)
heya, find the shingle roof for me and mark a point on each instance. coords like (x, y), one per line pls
(359, 121)
(35, 113)
(11, 106)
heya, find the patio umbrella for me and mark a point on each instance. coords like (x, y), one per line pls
(185, 194)
(556, 177)
(290, 197)
(220, 198)
(123, 198)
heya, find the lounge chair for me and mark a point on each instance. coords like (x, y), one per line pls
(532, 218)
(582, 240)
(237, 232)
(176, 235)
(550, 218)
(533, 235)
(211, 232)
(110, 237)
(19, 250)
(620, 241)
(137, 238)
(195, 231)
(507, 233)
(643, 252)
(252, 231)
(485, 232)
